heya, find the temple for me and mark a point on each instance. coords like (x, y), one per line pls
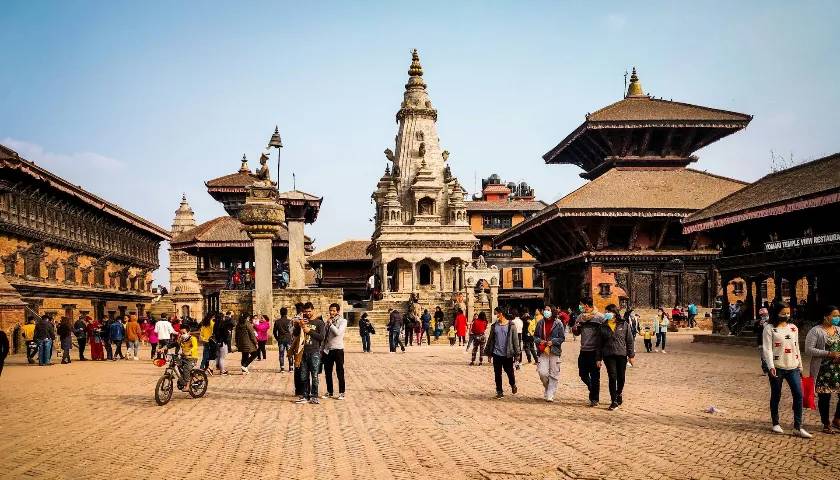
(618, 238)
(67, 251)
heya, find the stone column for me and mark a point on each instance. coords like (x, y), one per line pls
(469, 296)
(263, 302)
(494, 296)
(262, 217)
(383, 277)
(442, 277)
(296, 253)
(413, 277)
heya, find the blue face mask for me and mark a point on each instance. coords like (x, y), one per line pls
(608, 316)
(547, 313)
(835, 321)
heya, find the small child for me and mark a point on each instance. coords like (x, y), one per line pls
(452, 335)
(648, 336)
(189, 353)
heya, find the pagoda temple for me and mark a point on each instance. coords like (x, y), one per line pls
(618, 238)
(422, 238)
(220, 250)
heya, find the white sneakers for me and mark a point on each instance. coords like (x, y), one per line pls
(796, 433)
(245, 370)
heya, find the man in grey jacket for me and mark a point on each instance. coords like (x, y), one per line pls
(334, 351)
(313, 331)
(588, 327)
(503, 347)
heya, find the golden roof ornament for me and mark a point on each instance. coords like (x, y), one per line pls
(244, 167)
(635, 87)
(415, 70)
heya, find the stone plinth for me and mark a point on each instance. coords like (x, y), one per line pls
(242, 301)
(262, 217)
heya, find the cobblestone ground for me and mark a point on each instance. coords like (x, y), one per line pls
(423, 414)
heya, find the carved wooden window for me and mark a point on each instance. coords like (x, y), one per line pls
(516, 276)
(70, 271)
(9, 264)
(538, 278)
(642, 289)
(99, 274)
(497, 221)
(604, 289)
(52, 269)
(132, 281)
(85, 275)
(738, 287)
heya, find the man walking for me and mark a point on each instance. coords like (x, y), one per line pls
(394, 324)
(44, 335)
(549, 337)
(80, 330)
(312, 331)
(28, 332)
(528, 335)
(117, 331)
(588, 328)
(336, 327)
(503, 348)
(282, 332)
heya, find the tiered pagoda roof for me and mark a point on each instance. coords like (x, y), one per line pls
(643, 131)
(347, 251)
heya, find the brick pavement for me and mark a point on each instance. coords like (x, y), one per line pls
(423, 414)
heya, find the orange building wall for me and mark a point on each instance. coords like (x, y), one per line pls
(599, 276)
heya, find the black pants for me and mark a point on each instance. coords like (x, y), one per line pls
(530, 348)
(109, 352)
(2, 362)
(409, 336)
(334, 358)
(299, 390)
(824, 404)
(31, 350)
(261, 349)
(82, 343)
(65, 355)
(462, 340)
(616, 369)
(118, 351)
(248, 357)
(428, 336)
(590, 374)
(154, 349)
(505, 363)
(648, 345)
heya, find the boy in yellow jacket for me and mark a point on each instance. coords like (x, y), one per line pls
(189, 353)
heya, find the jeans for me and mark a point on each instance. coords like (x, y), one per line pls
(205, 357)
(44, 351)
(109, 352)
(548, 368)
(794, 380)
(409, 338)
(118, 350)
(428, 336)
(220, 357)
(334, 358)
(395, 340)
(65, 355)
(824, 404)
(530, 348)
(590, 374)
(419, 335)
(283, 347)
(616, 370)
(261, 349)
(365, 342)
(500, 363)
(308, 372)
(134, 348)
(248, 357)
(154, 349)
(82, 343)
(660, 339)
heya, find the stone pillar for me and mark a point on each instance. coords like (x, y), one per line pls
(494, 296)
(383, 277)
(296, 253)
(413, 277)
(263, 302)
(442, 277)
(470, 297)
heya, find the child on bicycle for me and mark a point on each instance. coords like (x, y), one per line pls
(189, 352)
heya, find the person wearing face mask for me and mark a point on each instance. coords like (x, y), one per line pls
(503, 348)
(823, 346)
(780, 347)
(588, 327)
(549, 336)
(618, 349)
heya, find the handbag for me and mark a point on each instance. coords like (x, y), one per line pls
(808, 393)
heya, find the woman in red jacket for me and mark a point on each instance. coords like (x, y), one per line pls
(461, 327)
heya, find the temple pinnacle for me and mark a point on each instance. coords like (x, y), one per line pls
(415, 70)
(244, 167)
(635, 87)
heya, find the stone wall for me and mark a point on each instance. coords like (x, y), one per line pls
(241, 301)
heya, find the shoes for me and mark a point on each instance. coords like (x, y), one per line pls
(282, 370)
(619, 400)
(802, 433)
(663, 351)
(593, 403)
(613, 406)
(500, 395)
(656, 350)
(340, 396)
(549, 399)
(777, 429)
(224, 373)
(314, 401)
(244, 370)
(301, 400)
(479, 364)
(326, 395)
(135, 358)
(472, 363)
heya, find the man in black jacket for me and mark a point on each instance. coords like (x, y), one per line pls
(283, 335)
(588, 327)
(80, 331)
(221, 334)
(314, 331)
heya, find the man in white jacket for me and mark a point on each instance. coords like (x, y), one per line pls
(334, 351)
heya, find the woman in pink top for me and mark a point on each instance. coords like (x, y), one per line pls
(149, 328)
(262, 335)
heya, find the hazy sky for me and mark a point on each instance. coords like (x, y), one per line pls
(141, 101)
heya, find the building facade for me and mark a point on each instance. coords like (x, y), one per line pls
(68, 252)
(618, 238)
(347, 265)
(496, 209)
(422, 238)
(184, 287)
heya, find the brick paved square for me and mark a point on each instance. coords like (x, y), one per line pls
(423, 414)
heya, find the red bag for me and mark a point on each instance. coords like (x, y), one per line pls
(808, 393)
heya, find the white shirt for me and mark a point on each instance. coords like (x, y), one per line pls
(164, 330)
(517, 324)
(335, 334)
(372, 282)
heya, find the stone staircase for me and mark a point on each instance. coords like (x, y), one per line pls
(377, 310)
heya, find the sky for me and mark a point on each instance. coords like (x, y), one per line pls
(140, 102)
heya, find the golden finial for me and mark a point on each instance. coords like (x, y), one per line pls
(415, 70)
(244, 167)
(635, 88)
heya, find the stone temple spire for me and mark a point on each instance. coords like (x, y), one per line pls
(415, 100)
(184, 217)
(635, 87)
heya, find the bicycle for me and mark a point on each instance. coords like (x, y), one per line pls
(196, 385)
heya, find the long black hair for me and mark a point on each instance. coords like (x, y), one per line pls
(777, 307)
(827, 311)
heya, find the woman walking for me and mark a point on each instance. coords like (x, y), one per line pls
(365, 329)
(477, 332)
(205, 336)
(461, 327)
(618, 349)
(151, 335)
(823, 346)
(426, 325)
(780, 347)
(246, 342)
(660, 327)
(262, 328)
(94, 331)
(65, 335)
